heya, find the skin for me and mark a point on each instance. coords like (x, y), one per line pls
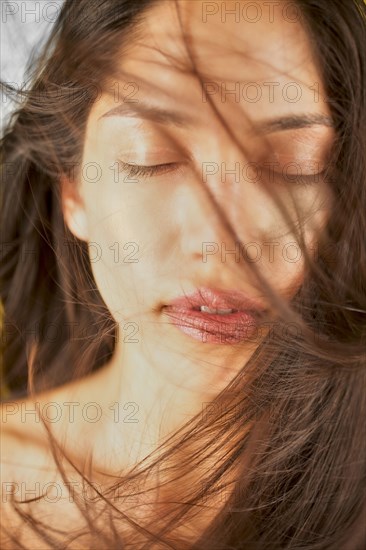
(166, 375)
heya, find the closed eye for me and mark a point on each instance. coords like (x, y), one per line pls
(147, 171)
(300, 179)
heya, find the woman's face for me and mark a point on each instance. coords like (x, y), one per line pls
(156, 236)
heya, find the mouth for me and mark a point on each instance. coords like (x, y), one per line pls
(215, 316)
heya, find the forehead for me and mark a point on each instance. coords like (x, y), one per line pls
(251, 54)
(270, 37)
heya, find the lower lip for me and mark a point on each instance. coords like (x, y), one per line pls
(231, 328)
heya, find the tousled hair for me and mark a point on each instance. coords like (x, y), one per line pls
(285, 440)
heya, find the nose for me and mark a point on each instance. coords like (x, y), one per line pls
(205, 222)
(198, 220)
(222, 216)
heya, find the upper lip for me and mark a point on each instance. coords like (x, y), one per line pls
(217, 299)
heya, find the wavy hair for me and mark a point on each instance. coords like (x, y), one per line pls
(285, 441)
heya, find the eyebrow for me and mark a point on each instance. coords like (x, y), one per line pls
(163, 116)
(147, 112)
(294, 122)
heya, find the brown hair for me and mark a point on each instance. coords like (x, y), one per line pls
(291, 433)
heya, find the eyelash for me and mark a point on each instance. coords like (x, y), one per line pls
(303, 181)
(147, 171)
(135, 170)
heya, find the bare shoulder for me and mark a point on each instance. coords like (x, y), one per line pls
(21, 443)
(25, 460)
(20, 454)
(28, 473)
(21, 469)
(31, 482)
(25, 437)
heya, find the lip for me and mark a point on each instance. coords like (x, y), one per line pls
(231, 328)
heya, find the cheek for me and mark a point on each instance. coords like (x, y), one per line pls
(285, 264)
(282, 260)
(128, 246)
(286, 272)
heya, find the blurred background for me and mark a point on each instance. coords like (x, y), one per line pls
(24, 27)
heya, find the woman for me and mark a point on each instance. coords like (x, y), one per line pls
(183, 279)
